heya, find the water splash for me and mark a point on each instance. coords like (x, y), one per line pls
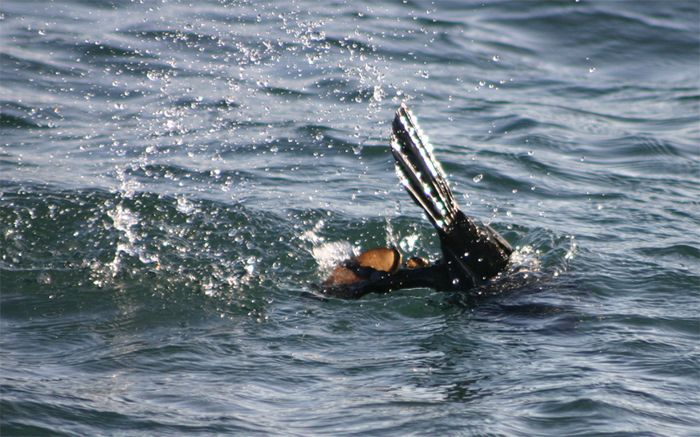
(525, 259)
(328, 255)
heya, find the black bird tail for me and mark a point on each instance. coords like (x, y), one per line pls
(473, 252)
(419, 172)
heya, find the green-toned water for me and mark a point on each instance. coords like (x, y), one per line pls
(177, 177)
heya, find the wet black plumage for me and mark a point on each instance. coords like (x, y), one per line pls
(472, 252)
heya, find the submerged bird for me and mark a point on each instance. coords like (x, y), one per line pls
(472, 253)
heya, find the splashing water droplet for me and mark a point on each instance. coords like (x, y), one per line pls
(250, 265)
(378, 94)
(44, 278)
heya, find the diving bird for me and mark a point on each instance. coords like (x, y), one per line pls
(472, 253)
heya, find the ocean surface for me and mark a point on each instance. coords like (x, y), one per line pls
(176, 177)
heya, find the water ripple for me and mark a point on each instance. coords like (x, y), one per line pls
(175, 176)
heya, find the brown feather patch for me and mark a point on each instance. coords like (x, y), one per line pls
(416, 261)
(342, 275)
(384, 259)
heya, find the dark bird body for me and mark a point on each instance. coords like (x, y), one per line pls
(472, 252)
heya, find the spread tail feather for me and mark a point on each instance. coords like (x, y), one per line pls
(419, 172)
(472, 252)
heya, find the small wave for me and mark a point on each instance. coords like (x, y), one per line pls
(28, 62)
(174, 245)
(99, 49)
(680, 250)
(17, 122)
